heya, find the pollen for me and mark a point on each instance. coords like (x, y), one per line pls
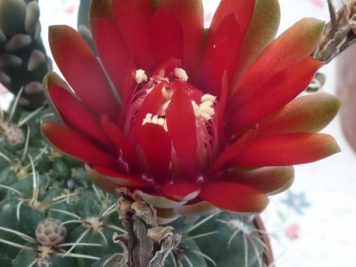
(150, 118)
(206, 108)
(181, 74)
(140, 76)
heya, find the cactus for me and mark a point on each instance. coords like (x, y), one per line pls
(53, 208)
(23, 59)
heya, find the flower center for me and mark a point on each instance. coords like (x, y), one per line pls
(203, 111)
(168, 80)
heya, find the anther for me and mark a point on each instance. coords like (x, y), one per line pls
(140, 76)
(181, 74)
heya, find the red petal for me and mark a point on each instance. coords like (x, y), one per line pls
(190, 14)
(194, 93)
(52, 78)
(112, 51)
(166, 36)
(276, 93)
(221, 108)
(181, 191)
(133, 18)
(268, 180)
(76, 115)
(152, 104)
(156, 146)
(287, 149)
(181, 128)
(221, 55)
(110, 180)
(76, 145)
(241, 9)
(99, 9)
(129, 86)
(119, 139)
(309, 113)
(234, 150)
(82, 70)
(234, 197)
(294, 44)
(261, 32)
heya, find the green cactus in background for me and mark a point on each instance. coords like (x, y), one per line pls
(23, 59)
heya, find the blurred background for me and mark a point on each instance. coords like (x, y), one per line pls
(312, 223)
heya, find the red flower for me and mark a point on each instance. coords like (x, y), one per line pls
(186, 116)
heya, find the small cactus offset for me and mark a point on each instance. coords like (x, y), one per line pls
(153, 153)
(23, 59)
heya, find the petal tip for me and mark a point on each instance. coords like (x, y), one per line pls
(55, 31)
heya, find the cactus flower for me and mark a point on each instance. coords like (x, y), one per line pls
(186, 117)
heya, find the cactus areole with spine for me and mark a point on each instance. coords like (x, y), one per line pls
(190, 119)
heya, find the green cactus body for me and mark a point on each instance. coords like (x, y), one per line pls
(218, 240)
(26, 258)
(8, 219)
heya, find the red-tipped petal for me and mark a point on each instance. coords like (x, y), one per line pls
(156, 146)
(190, 14)
(233, 197)
(287, 149)
(309, 113)
(76, 115)
(221, 55)
(76, 145)
(275, 93)
(294, 44)
(119, 139)
(241, 9)
(112, 51)
(181, 191)
(82, 70)
(132, 18)
(181, 128)
(234, 150)
(268, 180)
(166, 36)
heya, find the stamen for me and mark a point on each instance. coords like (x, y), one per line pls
(167, 93)
(181, 74)
(208, 97)
(140, 76)
(155, 120)
(206, 109)
(165, 105)
(149, 89)
(147, 119)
